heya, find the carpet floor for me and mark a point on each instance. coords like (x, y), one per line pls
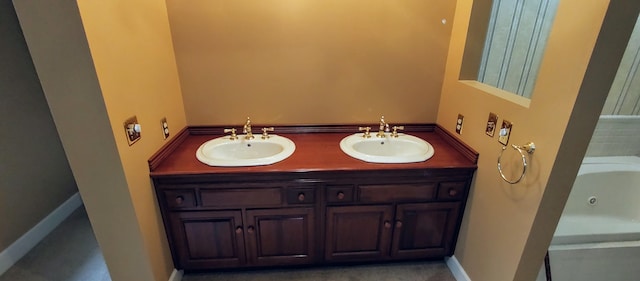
(69, 253)
(410, 271)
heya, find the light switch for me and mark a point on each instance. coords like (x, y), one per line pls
(505, 132)
(132, 130)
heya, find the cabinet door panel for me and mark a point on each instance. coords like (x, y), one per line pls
(281, 236)
(358, 232)
(424, 230)
(208, 239)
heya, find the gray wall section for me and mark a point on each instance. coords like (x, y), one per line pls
(35, 177)
(624, 96)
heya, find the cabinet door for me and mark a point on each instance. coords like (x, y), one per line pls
(424, 230)
(358, 232)
(280, 236)
(208, 239)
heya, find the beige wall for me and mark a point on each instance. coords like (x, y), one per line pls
(34, 172)
(121, 67)
(310, 62)
(507, 228)
(137, 72)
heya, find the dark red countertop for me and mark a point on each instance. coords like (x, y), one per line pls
(315, 152)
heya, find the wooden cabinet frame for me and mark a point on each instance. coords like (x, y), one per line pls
(320, 207)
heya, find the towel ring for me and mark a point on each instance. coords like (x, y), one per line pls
(529, 148)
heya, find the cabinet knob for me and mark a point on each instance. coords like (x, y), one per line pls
(239, 230)
(250, 229)
(179, 200)
(340, 195)
(453, 192)
(398, 224)
(301, 197)
(387, 224)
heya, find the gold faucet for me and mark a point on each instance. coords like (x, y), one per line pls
(233, 133)
(246, 129)
(384, 127)
(395, 131)
(366, 130)
(265, 135)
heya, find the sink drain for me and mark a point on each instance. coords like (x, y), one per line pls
(592, 200)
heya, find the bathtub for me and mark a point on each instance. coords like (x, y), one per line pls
(598, 235)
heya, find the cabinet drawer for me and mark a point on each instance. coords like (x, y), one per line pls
(451, 190)
(183, 198)
(339, 193)
(397, 192)
(241, 197)
(300, 196)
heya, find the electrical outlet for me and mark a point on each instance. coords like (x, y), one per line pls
(132, 130)
(165, 127)
(459, 124)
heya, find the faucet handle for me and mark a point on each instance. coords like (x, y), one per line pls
(264, 132)
(395, 131)
(233, 133)
(366, 130)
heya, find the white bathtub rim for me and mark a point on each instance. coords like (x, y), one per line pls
(591, 165)
(599, 238)
(612, 160)
(599, 245)
(586, 229)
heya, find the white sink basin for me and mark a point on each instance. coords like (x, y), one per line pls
(225, 152)
(403, 149)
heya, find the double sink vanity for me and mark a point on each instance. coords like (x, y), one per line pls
(306, 195)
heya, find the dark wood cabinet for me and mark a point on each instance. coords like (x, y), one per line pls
(317, 207)
(208, 239)
(358, 232)
(424, 229)
(280, 236)
(242, 236)
(420, 227)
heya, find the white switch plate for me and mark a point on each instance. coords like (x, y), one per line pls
(505, 132)
(459, 122)
(132, 130)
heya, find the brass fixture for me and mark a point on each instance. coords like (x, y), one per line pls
(529, 148)
(384, 127)
(264, 132)
(366, 130)
(246, 129)
(233, 133)
(395, 131)
(132, 130)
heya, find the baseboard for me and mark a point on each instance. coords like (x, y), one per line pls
(26, 242)
(456, 269)
(176, 275)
